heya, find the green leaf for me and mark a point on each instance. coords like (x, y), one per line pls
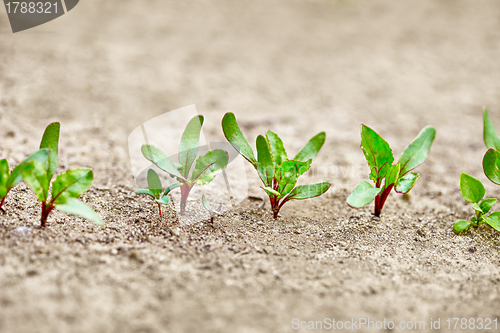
(487, 204)
(308, 191)
(40, 156)
(145, 191)
(461, 225)
(35, 175)
(154, 183)
(3, 191)
(72, 183)
(271, 192)
(311, 148)
(477, 208)
(406, 183)
(190, 142)
(287, 175)
(4, 172)
(417, 151)
(377, 152)
(474, 220)
(265, 164)
(391, 177)
(74, 206)
(209, 165)
(277, 148)
(490, 135)
(233, 134)
(472, 189)
(161, 160)
(362, 195)
(490, 166)
(171, 187)
(493, 221)
(164, 200)
(50, 140)
(206, 204)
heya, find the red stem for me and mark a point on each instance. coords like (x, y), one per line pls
(380, 200)
(159, 208)
(185, 189)
(1, 202)
(45, 214)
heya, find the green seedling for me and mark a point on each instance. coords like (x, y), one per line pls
(9, 180)
(278, 174)
(491, 160)
(66, 188)
(384, 173)
(473, 191)
(156, 191)
(207, 166)
(212, 212)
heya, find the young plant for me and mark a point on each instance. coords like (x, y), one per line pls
(491, 160)
(473, 191)
(156, 191)
(384, 173)
(212, 212)
(278, 174)
(66, 188)
(9, 180)
(207, 166)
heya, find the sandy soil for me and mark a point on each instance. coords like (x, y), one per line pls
(297, 67)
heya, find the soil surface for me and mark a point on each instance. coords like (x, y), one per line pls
(297, 67)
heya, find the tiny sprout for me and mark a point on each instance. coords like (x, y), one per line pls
(156, 191)
(212, 212)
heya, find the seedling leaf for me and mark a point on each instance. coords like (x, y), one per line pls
(490, 166)
(308, 191)
(490, 135)
(35, 175)
(392, 176)
(145, 191)
(205, 203)
(72, 183)
(477, 208)
(265, 162)
(161, 160)
(461, 225)
(4, 172)
(493, 221)
(171, 187)
(417, 151)
(74, 206)
(406, 183)
(271, 191)
(154, 183)
(362, 195)
(164, 200)
(50, 140)
(209, 165)
(377, 152)
(487, 204)
(233, 134)
(15, 177)
(189, 144)
(287, 175)
(311, 148)
(472, 189)
(277, 148)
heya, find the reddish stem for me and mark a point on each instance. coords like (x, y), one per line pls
(185, 189)
(380, 200)
(1, 203)
(45, 214)
(159, 209)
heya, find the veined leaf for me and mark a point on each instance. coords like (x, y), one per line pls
(15, 177)
(233, 134)
(311, 148)
(377, 152)
(190, 142)
(161, 160)
(417, 151)
(391, 177)
(490, 166)
(73, 183)
(50, 140)
(145, 191)
(472, 189)
(271, 191)
(362, 195)
(74, 206)
(461, 225)
(164, 200)
(406, 183)
(287, 174)
(171, 187)
(154, 183)
(277, 148)
(493, 221)
(490, 135)
(35, 175)
(4, 172)
(209, 165)
(205, 203)
(265, 162)
(487, 204)
(308, 191)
